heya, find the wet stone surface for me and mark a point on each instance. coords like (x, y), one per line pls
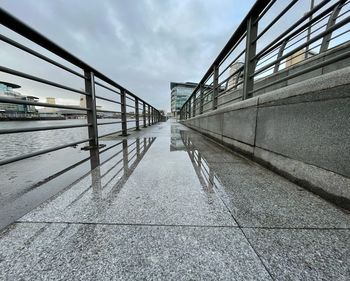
(303, 254)
(109, 252)
(169, 204)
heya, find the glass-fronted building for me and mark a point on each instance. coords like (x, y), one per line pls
(179, 94)
(12, 109)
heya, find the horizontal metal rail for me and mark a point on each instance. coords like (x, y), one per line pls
(40, 80)
(111, 133)
(109, 123)
(106, 99)
(47, 128)
(306, 70)
(40, 152)
(38, 55)
(107, 88)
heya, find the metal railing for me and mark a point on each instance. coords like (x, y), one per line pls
(123, 99)
(273, 38)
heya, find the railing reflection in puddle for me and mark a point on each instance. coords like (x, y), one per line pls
(207, 176)
(108, 178)
(100, 175)
(182, 140)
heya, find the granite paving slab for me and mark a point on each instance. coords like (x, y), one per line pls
(163, 189)
(46, 251)
(303, 254)
(258, 197)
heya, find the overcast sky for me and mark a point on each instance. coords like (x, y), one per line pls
(141, 44)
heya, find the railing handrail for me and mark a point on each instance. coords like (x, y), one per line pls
(26, 31)
(262, 59)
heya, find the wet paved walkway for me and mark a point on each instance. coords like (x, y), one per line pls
(174, 205)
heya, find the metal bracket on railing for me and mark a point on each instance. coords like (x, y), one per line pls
(89, 147)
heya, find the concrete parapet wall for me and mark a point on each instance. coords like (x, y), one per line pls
(301, 131)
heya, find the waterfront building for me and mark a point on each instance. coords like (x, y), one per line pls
(12, 109)
(179, 94)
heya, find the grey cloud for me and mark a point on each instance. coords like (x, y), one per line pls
(141, 44)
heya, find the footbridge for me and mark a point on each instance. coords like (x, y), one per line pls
(251, 183)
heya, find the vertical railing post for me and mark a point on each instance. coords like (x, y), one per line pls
(144, 114)
(189, 107)
(137, 114)
(187, 110)
(250, 62)
(194, 104)
(215, 86)
(138, 147)
(91, 103)
(201, 101)
(149, 115)
(152, 116)
(123, 112)
(331, 21)
(92, 119)
(125, 156)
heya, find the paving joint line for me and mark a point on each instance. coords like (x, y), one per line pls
(188, 225)
(245, 236)
(128, 224)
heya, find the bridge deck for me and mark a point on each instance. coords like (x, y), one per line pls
(183, 208)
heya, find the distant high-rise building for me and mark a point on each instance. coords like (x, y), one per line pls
(51, 100)
(179, 94)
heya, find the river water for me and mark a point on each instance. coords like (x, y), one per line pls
(12, 145)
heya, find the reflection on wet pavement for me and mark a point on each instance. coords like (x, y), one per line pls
(167, 203)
